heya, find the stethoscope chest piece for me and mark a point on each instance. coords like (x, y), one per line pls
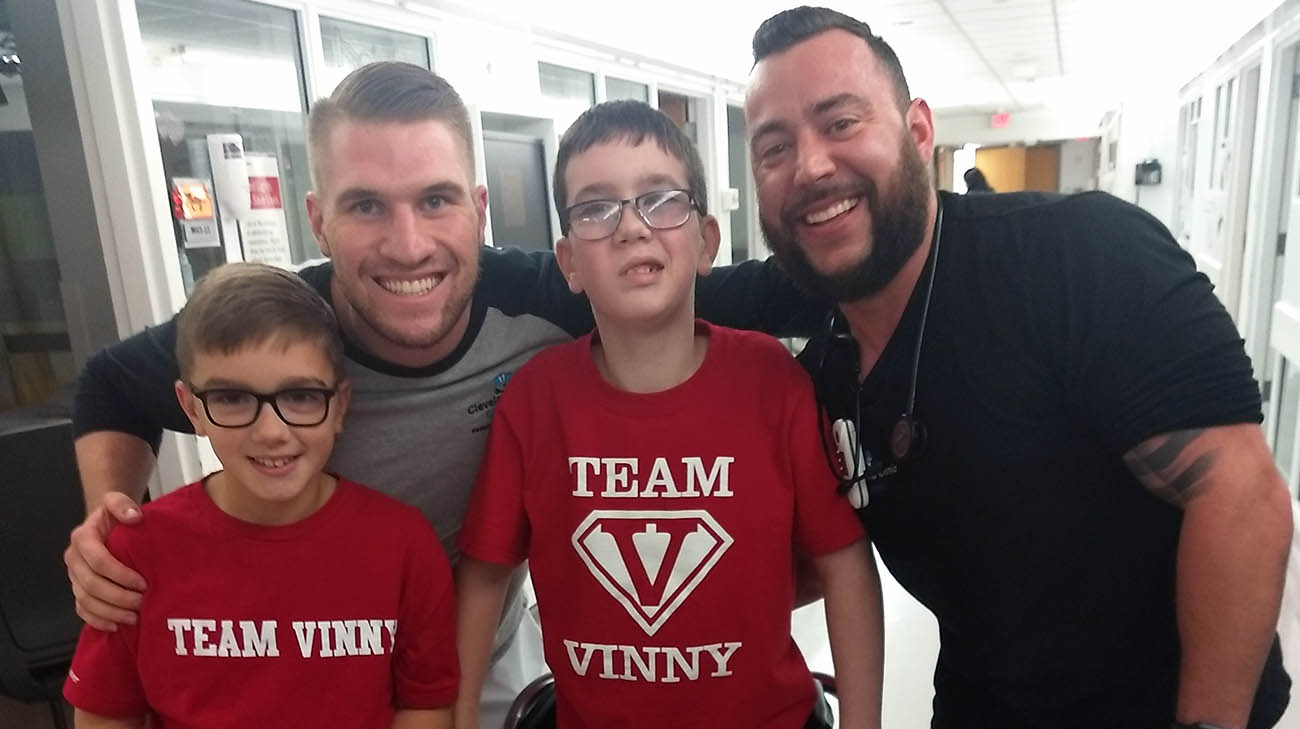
(850, 461)
(907, 440)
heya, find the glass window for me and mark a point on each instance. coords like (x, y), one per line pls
(229, 103)
(35, 354)
(1288, 394)
(349, 46)
(683, 110)
(617, 88)
(1224, 97)
(738, 171)
(568, 93)
(1191, 118)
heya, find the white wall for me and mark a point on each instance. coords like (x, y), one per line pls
(495, 69)
(1148, 128)
(1028, 127)
(1078, 165)
(963, 158)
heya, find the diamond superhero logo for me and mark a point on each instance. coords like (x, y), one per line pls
(650, 561)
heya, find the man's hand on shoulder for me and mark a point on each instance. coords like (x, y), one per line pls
(108, 593)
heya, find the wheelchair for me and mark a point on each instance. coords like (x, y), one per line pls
(534, 707)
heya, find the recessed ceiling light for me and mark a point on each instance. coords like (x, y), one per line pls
(1024, 70)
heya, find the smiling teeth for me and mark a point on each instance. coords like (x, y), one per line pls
(410, 288)
(273, 462)
(838, 208)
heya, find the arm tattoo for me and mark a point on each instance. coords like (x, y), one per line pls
(1173, 465)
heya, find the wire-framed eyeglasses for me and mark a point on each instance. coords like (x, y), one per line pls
(858, 472)
(658, 209)
(230, 407)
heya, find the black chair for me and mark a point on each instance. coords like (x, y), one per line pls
(40, 502)
(534, 707)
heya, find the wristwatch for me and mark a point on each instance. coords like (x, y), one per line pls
(1193, 725)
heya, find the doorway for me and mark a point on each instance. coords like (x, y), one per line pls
(1014, 169)
(518, 180)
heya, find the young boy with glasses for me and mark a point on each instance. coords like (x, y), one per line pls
(279, 594)
(659, 475)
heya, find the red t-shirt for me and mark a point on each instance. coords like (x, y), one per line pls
(330, 621)
(660, 531)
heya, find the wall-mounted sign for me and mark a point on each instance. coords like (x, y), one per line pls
(265, 235)
(194, 212)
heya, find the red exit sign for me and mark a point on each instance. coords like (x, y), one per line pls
(1000, 121)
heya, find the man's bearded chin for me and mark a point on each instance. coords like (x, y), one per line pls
(898, 219)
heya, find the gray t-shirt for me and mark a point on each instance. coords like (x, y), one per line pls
(421, 438)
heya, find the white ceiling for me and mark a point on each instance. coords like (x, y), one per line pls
(961, 55)
(977, 56)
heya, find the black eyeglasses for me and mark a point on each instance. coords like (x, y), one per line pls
(857, 471)
(230, 407)
(844, 452)
(659, 209)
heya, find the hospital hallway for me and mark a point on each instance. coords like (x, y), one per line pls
(146, 143)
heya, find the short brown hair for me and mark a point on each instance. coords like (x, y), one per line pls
(387, 91)
(239, 304)
(632, 122)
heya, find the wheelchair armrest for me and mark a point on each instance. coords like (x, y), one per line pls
(536, 700)
(827, 681)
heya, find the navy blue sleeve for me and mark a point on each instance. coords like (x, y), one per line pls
(757, 295)
(128, 387)
(754, 295)
(530, 282)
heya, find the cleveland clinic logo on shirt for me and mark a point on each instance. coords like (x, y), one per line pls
(498, 386)
(650, 561)
(499, 382)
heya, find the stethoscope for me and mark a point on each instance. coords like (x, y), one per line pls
(854, 467)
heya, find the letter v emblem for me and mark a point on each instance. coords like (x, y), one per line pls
(650, 561)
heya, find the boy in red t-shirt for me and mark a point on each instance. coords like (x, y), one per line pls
(280, 595)
(659, 475)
